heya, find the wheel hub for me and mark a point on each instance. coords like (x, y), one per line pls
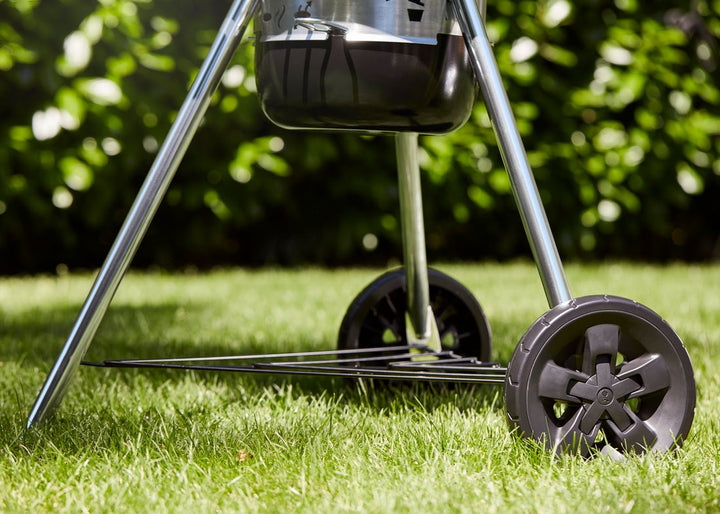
(605, 396)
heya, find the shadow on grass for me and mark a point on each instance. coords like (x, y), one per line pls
(125, 332)
(195, 430)
(33, 340)
(378, 395)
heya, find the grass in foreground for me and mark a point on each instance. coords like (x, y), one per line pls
(149, 441)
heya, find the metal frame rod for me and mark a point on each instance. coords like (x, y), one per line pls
(413, 234)
(513, 153)
(296, 355)
(138, 220)
(347, 368)
(340, 372)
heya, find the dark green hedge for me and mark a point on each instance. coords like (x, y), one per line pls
(618, 104)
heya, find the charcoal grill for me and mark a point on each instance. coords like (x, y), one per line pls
(595, 373)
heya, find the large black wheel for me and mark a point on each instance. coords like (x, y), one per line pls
(376, 318)
(601, 373)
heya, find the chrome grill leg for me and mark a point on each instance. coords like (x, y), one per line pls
(512, 149)
(413, 236)
(143, 210)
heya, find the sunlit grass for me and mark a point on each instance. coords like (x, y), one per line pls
(154, 441)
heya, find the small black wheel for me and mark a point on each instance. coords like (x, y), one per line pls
(601, 373)
(376, 317)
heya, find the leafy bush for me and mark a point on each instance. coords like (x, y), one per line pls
(617, 103)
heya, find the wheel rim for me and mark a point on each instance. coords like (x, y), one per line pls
(617, 379)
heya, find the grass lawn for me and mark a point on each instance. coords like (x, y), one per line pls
(163, 440)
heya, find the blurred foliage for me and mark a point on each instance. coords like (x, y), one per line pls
(618, 104)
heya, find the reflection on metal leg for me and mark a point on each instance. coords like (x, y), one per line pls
(513, 152)
(143, 210)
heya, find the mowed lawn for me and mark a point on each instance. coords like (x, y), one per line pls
(127, 440)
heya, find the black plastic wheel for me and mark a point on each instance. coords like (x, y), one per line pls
(376, 317)
(601, 373)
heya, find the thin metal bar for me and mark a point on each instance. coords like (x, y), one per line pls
(379, 359)
(339, 371)
(526, 193)
(413, 233)
(319, 353)
(441, 369)
(457, 362)
(353, 360)
(143, 210)
(378, 373)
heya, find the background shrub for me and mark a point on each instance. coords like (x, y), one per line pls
(617, 103)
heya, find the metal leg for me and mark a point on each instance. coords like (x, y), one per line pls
(413, 234)
(143, 210)
(527, 197)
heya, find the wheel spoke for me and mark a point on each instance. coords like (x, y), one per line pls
(625, 387)
(394, 310)
(652, 371)
(441, 311)
(375, 330)
(591, 417)
(639, 436)
(376, 326)
(601, 340)
(584, 391)
(570, 435)
(618, 413)
(378, 322)
(603, 371)
(556, 382)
